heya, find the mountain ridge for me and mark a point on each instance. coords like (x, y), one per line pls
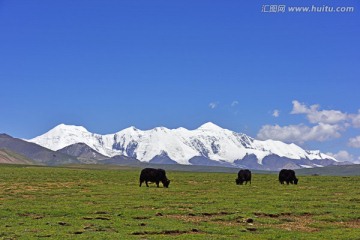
(208, 144)
(82, 152)
(38, 154)
(11, 157)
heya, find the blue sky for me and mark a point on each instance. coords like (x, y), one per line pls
(108, 65)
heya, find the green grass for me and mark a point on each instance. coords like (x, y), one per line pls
(65, 203)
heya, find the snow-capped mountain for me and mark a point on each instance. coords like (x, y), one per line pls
(209, 144)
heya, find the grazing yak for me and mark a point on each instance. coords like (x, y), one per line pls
(244, 175)
(288, 176)
(154, 175)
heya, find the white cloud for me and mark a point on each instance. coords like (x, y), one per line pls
(342, 156)
(276, 113)
(355, 119)
(315, 116)
(354, 142)
(234, 103)
(300, 133)
(213, 105)
(324, 125)
(289, 133)
(298, 108)
(327, 116)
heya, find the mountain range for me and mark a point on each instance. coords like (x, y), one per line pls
(208, 145)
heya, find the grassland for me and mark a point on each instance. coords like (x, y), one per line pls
(64, 203)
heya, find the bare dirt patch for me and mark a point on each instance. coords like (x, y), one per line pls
(203, 217)
(168, 232)
(141, 217)
(271, 215)
(31, 215)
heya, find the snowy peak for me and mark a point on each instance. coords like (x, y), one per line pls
(160, 129)
(69, 128)
(209, 126)
(64, 135)
(320, 155)
(129, 130)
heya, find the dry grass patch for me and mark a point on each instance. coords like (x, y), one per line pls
(298, 223)
(203, 217)
(190, 218)
(290, 222)
(349, 224)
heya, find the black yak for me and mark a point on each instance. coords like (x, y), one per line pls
(154, 175)
(244, 175)
(288, 176)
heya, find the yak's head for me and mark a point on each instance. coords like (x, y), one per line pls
(166, 183)
(296, 181)
(239, 181)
